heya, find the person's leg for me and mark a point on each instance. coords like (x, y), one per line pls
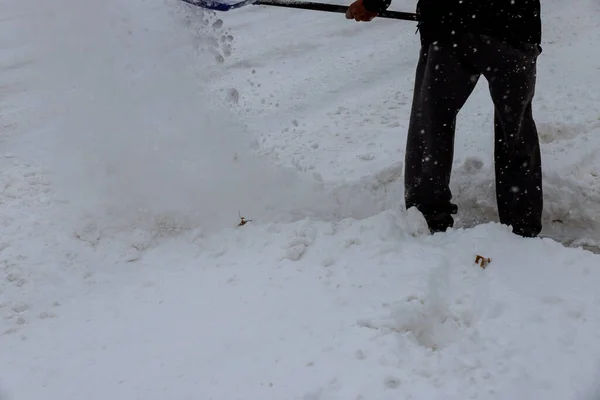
(443, 84)
(511, 72)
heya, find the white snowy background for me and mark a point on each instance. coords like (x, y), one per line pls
(134, 133)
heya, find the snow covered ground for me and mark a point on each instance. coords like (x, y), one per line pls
(132, 133)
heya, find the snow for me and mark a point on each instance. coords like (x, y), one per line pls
(135, 134)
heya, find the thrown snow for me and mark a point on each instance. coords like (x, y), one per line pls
(133, 135)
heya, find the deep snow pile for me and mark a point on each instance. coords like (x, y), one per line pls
(132, 133)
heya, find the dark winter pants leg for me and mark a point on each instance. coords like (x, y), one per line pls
(511, 74)
(446, 76)
(442, 86)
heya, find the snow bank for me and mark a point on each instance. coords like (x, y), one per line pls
(321, 310)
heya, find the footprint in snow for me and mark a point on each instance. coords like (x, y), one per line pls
(296, 248)
(552, 132)
(20, 308)
(46, 315)
(392, 383)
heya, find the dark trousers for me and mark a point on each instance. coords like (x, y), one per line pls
(446, 75)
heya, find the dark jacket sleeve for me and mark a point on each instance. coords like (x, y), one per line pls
(376, 5)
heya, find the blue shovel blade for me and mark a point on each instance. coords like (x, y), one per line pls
(221, 5)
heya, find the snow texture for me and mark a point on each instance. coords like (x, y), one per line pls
(135, 134)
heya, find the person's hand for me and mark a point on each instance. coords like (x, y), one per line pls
(358, 12)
